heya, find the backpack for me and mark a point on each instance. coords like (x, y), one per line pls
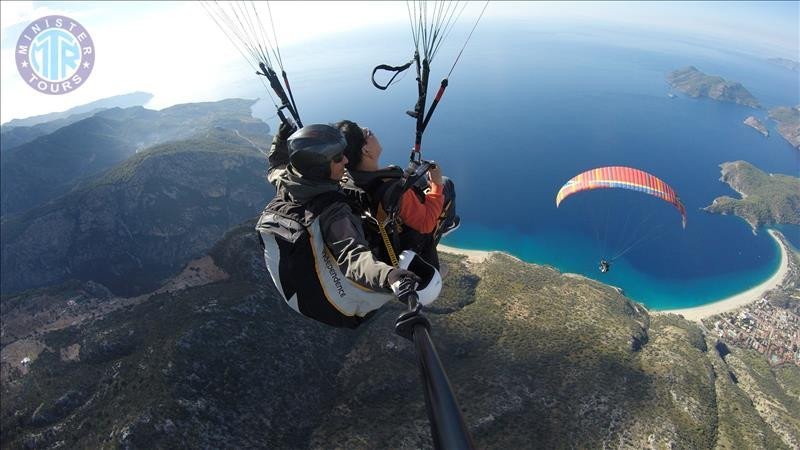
(303, 269)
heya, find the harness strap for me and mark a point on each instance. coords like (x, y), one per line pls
(387, 201)
(275, 83)
(291, 97)
(423, 72)
(396, 69)
(384, 197)
(382, 220)
(435, 102)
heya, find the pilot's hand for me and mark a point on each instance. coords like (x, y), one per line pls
(435, 174)
(403, 282)
(285, 130)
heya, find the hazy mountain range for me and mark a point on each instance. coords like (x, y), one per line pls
(117, 101)
(139, 221)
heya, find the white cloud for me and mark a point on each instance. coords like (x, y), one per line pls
(16, 15)
(13, 13)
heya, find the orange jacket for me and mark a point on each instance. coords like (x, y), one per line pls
(422, 217)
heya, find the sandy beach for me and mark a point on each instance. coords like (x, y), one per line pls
(741, 299)
(473, 256)
(696, 313)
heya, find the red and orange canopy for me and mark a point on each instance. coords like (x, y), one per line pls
(625, 178)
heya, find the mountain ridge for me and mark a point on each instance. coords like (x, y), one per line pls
(49, 166)
(137, 98)
(140, 221)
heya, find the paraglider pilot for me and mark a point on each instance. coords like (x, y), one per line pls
(306, 167)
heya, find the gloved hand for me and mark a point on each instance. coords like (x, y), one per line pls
(284, 131)
(435, 174)
(402, 282)
(278, 155)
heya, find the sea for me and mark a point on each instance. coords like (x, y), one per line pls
(529, 106)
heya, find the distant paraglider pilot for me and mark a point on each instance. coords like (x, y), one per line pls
(314, 243)
(605, 266)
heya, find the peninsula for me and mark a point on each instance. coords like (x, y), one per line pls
(766, 198)
(756, 124)
(787, 63)
(788, 120)
(695, 83)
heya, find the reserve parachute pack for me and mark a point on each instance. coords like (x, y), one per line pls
(304, 270)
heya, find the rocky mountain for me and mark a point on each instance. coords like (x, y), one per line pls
(695, 83)
(117, 101)
(144, 219)
(17, 136)
(766, 198)
(537, 359)
(50, 165)
(788, 120)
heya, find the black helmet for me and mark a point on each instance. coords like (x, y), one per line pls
(313, 147)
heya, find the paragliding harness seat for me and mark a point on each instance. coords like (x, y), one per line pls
(303, 269)
(378, 195)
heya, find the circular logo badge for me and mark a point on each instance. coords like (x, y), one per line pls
(55, 55)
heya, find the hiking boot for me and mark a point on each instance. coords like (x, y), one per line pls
(451, 226)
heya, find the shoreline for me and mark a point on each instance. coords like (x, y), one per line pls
(696, 313)
(473, 256)
(747, 297)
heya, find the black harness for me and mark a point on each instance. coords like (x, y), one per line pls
(378, 195)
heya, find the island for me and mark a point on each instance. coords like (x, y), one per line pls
(695, 83)
(788, 120)
(757, 125)
(786, 63)
(766, 198)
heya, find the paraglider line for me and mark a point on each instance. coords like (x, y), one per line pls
(649, 235)
(468, 38)
(217, 21)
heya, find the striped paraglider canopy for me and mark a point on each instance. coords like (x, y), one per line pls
(623, 178)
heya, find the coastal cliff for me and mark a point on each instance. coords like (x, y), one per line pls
(766, 198)
(788, 120)
(695, 83)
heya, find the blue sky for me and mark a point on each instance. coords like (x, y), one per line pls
(154, 46)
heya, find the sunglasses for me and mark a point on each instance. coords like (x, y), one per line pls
(367, 133)
(338, 158)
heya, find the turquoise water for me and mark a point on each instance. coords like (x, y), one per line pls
(658, 292)
(528, 108)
